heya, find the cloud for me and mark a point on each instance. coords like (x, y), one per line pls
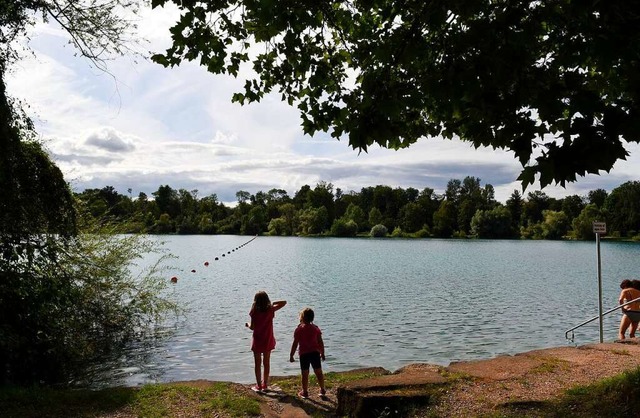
(85, 160)
(110, 140)
(221, 138)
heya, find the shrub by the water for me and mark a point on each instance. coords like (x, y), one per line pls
(72, 301)
(344, 228)
(397, 232)
(379, 231)
(423, 233)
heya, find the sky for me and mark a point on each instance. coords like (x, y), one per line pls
(141, 126)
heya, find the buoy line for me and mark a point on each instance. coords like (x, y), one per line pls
(174, 279)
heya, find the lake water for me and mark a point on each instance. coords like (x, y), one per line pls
(379, 302)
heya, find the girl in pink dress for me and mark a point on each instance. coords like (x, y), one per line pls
(262, 314)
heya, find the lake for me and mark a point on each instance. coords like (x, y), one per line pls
(379, 302)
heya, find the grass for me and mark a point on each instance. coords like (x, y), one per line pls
(218, 399)
(617, 396)
(162, 400)
(455, 377)
(550, 365)
(165, 400)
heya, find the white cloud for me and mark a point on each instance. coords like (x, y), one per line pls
(110, 140)
(222, 138)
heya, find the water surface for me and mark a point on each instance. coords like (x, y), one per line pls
(379, 302)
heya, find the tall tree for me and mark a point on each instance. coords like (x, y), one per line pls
(582, 226)
(242, 196)
(453, 191)
(597, 197)
(356, 214)
(430, 202)
(412, 217)
(322, 196)
(444, 220)
(573, 205)
(300, 198)
(534, 205)
(288, 211)
(555, 224)
(494, 223)
(472, 197)
(554, 82)
(275, 198)
(168, 200)
(514, 204)
(622, 207)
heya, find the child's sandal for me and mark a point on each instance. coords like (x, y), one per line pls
(303, 394)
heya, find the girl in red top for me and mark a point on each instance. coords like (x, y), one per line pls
(309, 337)
(262, 314)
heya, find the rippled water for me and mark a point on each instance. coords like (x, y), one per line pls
(379, 302)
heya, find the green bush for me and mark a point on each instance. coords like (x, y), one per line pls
(378, 231)
(71, 301)
(423, 233)
(344, 228)
(397, 232)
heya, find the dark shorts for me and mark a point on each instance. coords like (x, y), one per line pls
(310, 359)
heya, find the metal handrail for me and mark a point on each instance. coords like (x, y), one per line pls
(566, 334)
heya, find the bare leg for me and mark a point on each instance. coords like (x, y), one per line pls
(624, 324)
(320, 377)
(632, 331)
(256, 360)
(266, 361)
(305, 381)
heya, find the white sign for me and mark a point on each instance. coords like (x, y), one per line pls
(600, 227)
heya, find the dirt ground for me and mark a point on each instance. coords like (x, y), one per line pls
(535, 376)
(530, 377)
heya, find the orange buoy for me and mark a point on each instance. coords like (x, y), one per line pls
(206, 263)
(174, 279)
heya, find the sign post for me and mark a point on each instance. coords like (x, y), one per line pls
(599, 228)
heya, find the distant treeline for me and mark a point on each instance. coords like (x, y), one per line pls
(466, 209)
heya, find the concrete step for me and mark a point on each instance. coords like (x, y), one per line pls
(390, 394)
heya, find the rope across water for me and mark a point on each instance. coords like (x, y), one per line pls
(174, 279)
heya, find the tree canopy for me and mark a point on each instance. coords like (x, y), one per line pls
(553, 82)
(465, 209)
(97, 29)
